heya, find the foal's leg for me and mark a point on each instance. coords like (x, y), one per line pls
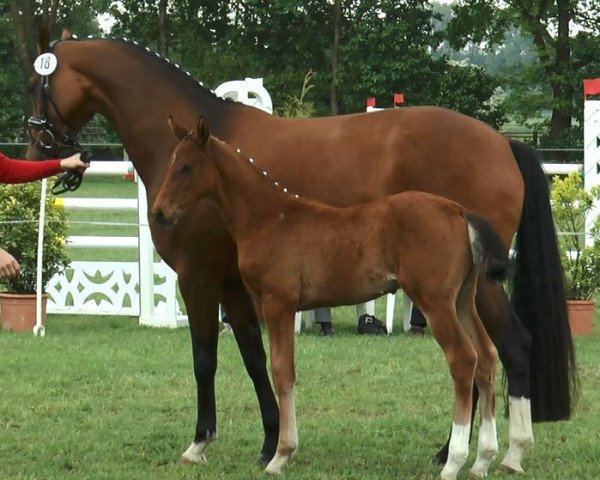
(279, 317)
(462, 359)
(485, 377)
(247, 333)
(513, 343)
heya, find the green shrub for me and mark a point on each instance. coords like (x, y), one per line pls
(19, 214)
(571, 204)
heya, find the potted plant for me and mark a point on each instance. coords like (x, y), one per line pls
(571, 205)
(19, 215)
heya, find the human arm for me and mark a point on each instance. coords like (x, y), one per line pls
(22, 171)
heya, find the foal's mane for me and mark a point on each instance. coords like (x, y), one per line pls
(239, 157)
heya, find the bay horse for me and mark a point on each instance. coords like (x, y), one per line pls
(299, 254)
(330, 159)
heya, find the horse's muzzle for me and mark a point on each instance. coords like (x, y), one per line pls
(162, 219)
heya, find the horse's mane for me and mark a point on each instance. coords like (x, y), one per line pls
(159, 60)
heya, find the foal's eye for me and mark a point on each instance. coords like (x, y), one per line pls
(186, 168)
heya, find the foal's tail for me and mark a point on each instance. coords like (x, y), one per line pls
(489, 253)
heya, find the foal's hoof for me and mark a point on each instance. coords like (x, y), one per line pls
(188, 460)
(476, 475)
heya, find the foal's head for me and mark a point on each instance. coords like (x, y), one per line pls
(190, 173)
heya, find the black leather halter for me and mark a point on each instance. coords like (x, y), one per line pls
(49, 139)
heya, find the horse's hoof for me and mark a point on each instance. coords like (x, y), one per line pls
(510, 468)
(186, 460)
(263, 459)
(441, 457)
(273, 471)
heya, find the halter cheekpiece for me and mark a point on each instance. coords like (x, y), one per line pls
(49, 138)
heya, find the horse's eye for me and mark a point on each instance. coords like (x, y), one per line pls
(186, 168)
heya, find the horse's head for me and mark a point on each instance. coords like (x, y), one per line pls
(60, 101)
(189, 176)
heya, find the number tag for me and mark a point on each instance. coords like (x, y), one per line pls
(45, 64)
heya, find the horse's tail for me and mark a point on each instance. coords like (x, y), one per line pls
(538, 295)
(489, 252)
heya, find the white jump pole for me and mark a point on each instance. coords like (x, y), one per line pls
(591, 155)
(38, 329)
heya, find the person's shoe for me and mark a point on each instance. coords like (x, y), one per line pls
(416, 330)
(326, 329)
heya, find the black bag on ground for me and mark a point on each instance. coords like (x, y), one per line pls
(369, 325)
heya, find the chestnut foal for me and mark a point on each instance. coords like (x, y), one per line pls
(296, 254)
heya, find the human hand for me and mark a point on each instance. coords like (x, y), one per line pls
(9, 267)
(74, 163)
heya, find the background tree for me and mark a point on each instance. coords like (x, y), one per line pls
(388, 46)
(356, 49)
(563, 33)
(20, 21)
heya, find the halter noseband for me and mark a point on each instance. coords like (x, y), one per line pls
(49, 138)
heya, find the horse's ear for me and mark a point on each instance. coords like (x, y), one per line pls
(202, 129)
(43, 44)
(178, 130)
(66, 34)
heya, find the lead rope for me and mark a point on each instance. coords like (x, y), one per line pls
(71, 180)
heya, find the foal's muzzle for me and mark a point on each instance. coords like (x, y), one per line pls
(162, 219)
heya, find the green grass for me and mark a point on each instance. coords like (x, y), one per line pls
(102, 398)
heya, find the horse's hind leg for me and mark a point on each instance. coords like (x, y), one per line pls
(247, 333)
(279, 317)
(462, 359)
(485, 377)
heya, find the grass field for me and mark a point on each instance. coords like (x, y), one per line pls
(102, 398)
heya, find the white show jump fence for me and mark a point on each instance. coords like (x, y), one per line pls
(148, 289)
(114, 288)
(145, 288)
(591, 174)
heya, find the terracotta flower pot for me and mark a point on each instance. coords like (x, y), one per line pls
(581, 316)
(17, 311)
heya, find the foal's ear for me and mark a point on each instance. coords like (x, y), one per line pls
(66, 34)
(178, 130)
(202, 129)
(43, 43)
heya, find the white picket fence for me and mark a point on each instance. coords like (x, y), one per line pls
(146, 288)
(114, 288)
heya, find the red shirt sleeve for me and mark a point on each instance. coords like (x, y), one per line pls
(23, 171)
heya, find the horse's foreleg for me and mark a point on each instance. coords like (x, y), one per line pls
(279, 316)
(462, 359)
(246, 329)
(202, 309)
(513, 343)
